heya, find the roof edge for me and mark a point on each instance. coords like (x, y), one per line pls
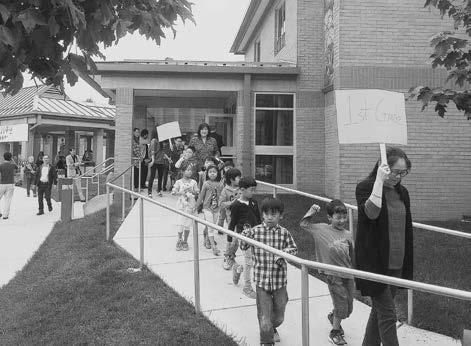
(244, 26)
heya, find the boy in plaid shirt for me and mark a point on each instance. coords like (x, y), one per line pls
(270, 271)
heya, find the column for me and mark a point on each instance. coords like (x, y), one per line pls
(123, 130)
(89, 143)
(98, 147)
(69, 140)
(54, 147)
(24, 150)
(244, 141)
(110, 144)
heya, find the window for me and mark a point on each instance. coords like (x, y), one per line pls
(256, 51)
(280, 27)
(274, 138)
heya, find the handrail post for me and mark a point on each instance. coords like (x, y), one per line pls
(140, 177)
(98, 192)
(410, 306)
(274, 192)
(305, 304)
(350, 223)
(108, 213)
(123, 202)
(86, 190)
(132, 185)
(196, 266)
(141, 231)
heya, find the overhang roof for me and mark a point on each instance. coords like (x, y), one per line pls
(190, 66)
(49, 100)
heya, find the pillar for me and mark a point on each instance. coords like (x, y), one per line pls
(123, 130)
(89, 143)
(110, 144)
(244, 141)
(54, 147)
(77, 144)
(98, 147)
(69, 140)
(24, 150)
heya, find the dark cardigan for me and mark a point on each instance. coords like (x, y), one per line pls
(372, 240)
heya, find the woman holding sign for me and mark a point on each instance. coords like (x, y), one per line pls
(205, 145)
(384, 241)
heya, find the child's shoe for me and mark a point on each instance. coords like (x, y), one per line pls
(228, 263)
(237, 269)
(336, 337)
(179, 246)
(207, 243)
(185, 246)
(216, 251)
(330, 317)
(249, 292)
(276, 336)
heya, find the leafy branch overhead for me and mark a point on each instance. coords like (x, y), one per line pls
(452, 52)
(37, 35)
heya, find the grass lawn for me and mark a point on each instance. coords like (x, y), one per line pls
(76, 290)
(439, 259)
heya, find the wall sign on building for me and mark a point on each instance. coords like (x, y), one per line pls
(14, 133)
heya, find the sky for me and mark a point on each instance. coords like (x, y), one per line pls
(217, 23)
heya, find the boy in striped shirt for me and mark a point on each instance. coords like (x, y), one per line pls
(270, 271)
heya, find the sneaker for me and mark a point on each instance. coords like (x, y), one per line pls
(276, 336)
(236, 271)
(185, 246)
(228, 263)
(179, 246)
(159, 194)
(40, 213)
(216, 251)
(330, 317)
(249, 292)
(49, 208)
(207, 243)
(336, 337)
(5, 218)
(149, 195)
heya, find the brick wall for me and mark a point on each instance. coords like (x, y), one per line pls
(123, 128)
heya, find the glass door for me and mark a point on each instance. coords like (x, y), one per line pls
(224, 126)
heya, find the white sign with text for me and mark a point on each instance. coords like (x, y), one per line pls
(14, 133)
(371, 116)
(168, 130)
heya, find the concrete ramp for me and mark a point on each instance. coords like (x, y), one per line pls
(223, 302)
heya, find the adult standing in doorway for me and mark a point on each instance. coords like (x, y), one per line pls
(136, 155)
(144, 147)
(217, 137)
(384, 242)
(204, 145)
(45, 178)
(73, 171)
(7, 183)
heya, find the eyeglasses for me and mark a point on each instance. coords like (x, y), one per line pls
(399, 172)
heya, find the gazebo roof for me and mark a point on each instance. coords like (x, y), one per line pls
(49, 100)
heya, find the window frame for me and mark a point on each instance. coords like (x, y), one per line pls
(256, 50)
(280, 31)
(275, 149)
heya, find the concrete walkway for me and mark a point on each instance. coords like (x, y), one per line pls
(224, 304)
(24, 231)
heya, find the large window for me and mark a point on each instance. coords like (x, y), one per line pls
(274, 137)
(280, 27)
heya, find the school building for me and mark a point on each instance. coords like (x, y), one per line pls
(275, 108)
(54, 123)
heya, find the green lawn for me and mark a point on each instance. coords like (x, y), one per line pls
(76, 290)
(439, 259)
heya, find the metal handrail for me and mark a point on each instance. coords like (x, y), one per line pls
(305, 264)
(354, 207)
(93, 168)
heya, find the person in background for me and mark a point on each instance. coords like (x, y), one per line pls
(87, 159)
(144, 148)
(158, 157)
(168, 162)
(190, 157)
(177, 152)
(217, 137)
(7, 183)
(30, 176)
(384, 242)
(39, 159)
(136, 156)
(73, 171)
(45, 178)
(204, 145)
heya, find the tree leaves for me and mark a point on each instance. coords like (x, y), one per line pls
(36, 35)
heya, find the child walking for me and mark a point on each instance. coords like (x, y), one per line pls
(270, 272)
(187, 190)
(209, 199)
(244, 213)
(334, 245)
(229, 194)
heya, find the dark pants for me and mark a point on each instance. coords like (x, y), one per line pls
(144, 169)
(30, 184)
(271, 312)
(136, 177)
(381, 326)
(165, 178)
(44, 191)
(160, 172)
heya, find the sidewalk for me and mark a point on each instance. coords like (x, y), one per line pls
(224, 304)
(24, 231)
